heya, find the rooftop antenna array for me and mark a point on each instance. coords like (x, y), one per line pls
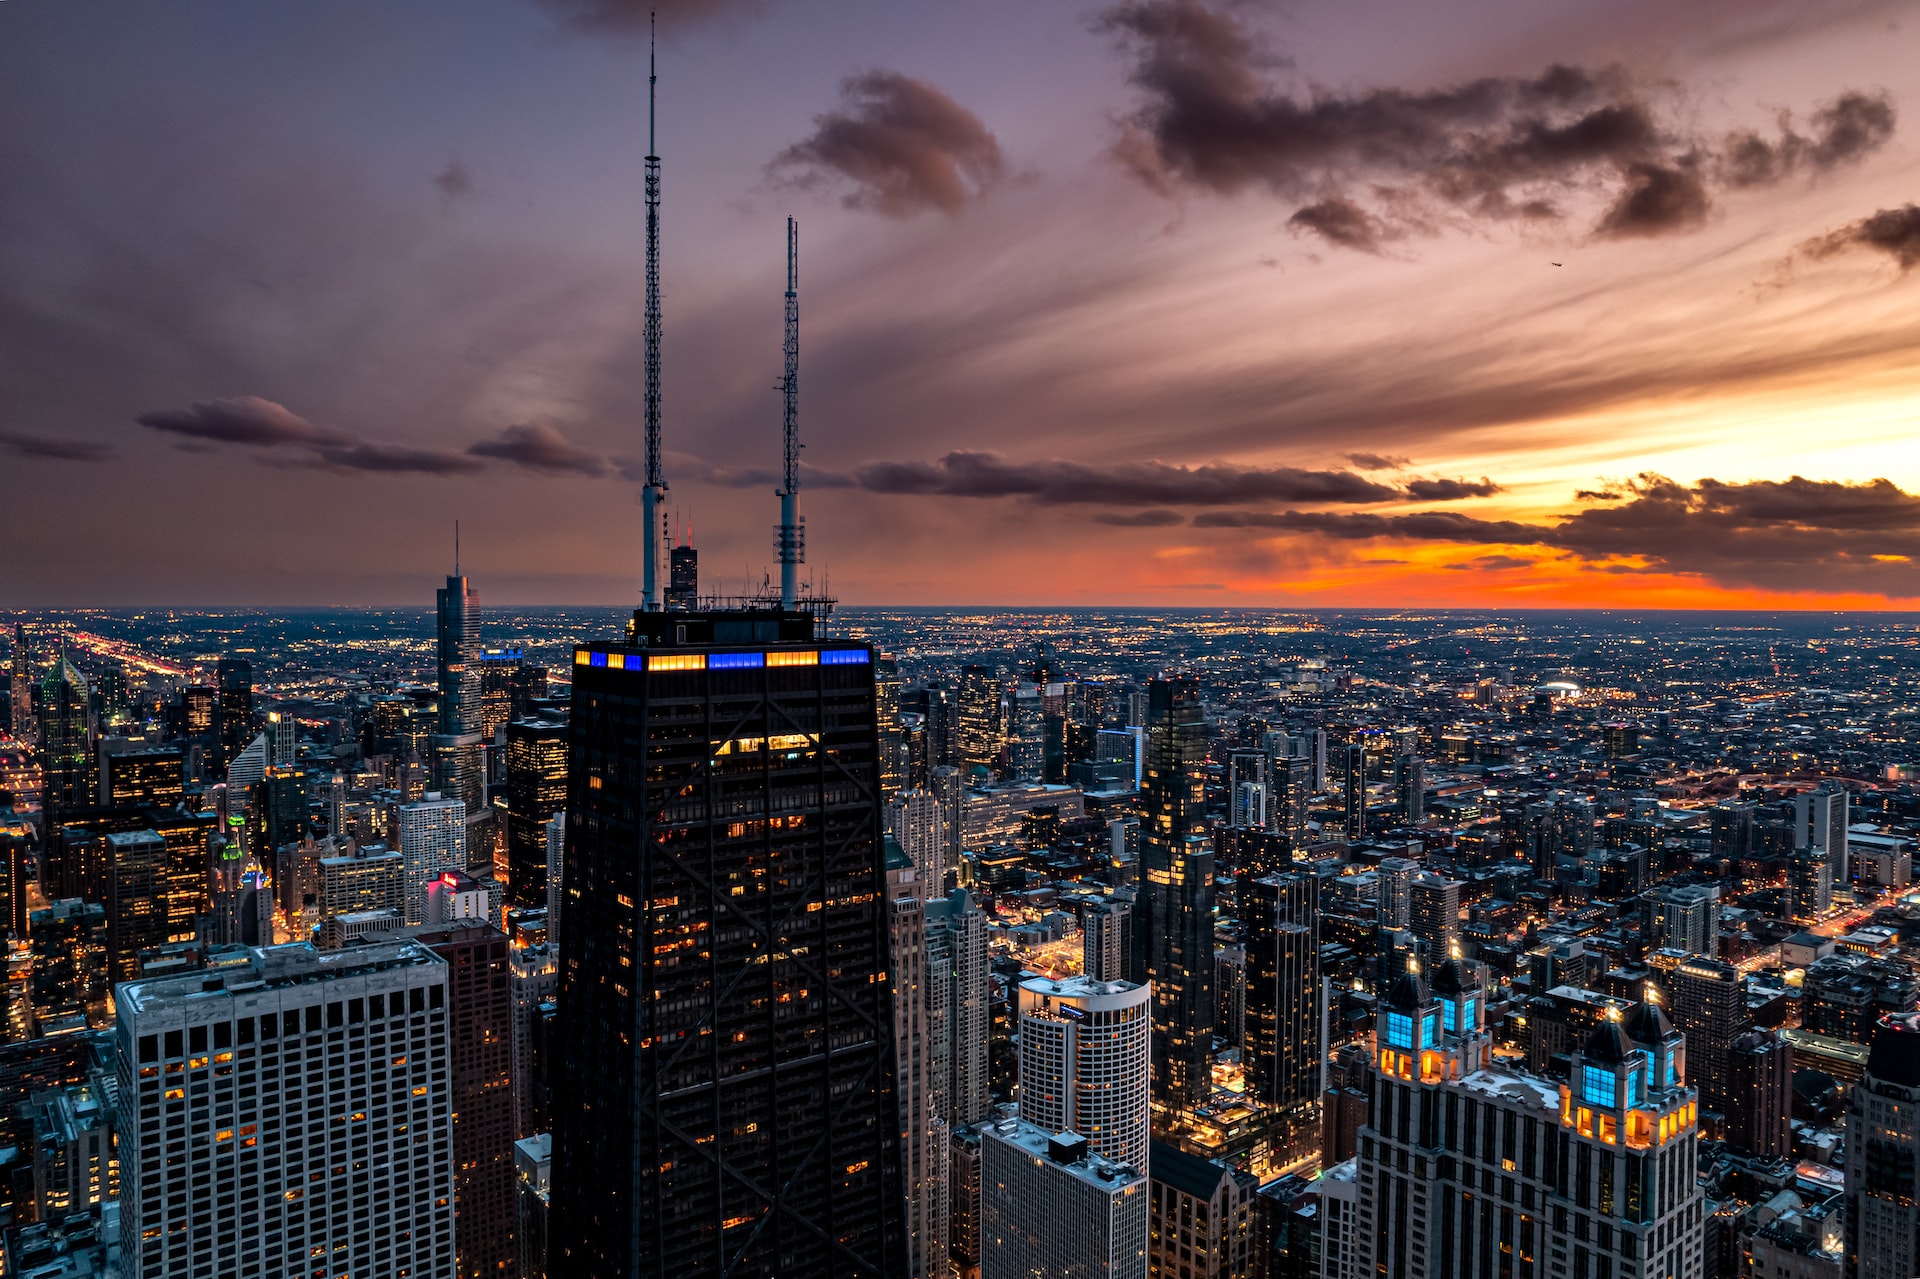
(653, 496)
(790, 540)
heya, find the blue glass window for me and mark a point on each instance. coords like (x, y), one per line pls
(844, 657)
(1636, 1087)
(1400, 1030)
(1428, 1035)
(736, 661)
(1596, 1086)
(1448, 1017)
(1469, 1021)
(1672, 1079)
(599, 659)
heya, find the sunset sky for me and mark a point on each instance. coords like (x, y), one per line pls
(1148, 302)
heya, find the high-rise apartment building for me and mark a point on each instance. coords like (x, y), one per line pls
(289, 1116)
(1685, 918)
(1433, 912)
(1282, 1050)
(1820, 821)
(1883, 1149)
(1393, 896)
(1471, 1170)
(923, 1128)
(68, 988)
(1291, 798)
(480, 1049)
(533, 978)
(1249, 796)
(893, 758)
(1709, 1005)
(917, 819)
(136, 884)
(1809, 885)
(730, 1104)
(1173, 905)
(959, 995)
(1409, 786)
(1050, 1205)
(1760, 1094)
(433, 840)
(1084, 1063)
(1106, 939)
(554, 845)
(536, 790)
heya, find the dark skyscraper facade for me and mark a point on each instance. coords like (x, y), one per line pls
(1282, 1049)
(66, 739)
(233, 707)
(457, 659)
(728, 1075)
(536, 790)
(1173, 910)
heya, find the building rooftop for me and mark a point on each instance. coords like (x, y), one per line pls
(1095, 1170)
(273, 968)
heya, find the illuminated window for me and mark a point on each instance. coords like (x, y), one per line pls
(677, 662)
(736, 661)
(844, 657)
(1596, 1085)
(598, 659)
(617, 661)
(1469, 1020)
(810, 657)
(1449, 1018)
(581, 657)
(1400, 1030)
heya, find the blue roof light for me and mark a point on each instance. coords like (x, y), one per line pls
(844, 657)
(735, 661)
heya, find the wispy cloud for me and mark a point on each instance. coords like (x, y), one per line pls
(16, 444)
(540, 447)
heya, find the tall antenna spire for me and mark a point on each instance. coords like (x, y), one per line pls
(653, 496)
(456, 548)
(790, 543)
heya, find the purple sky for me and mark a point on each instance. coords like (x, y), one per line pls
(1297, 304)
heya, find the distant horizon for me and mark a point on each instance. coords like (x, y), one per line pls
(14, 613)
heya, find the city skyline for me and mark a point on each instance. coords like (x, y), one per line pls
(1222, 305)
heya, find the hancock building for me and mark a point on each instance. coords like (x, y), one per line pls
(1472, 1169)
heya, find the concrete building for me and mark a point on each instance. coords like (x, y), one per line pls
(1709, 1005)
(1282, 1048)
(959, 1008)
(1684, 918)
(433, 839)
(1200, 1221)
(243, 1092)
(533, 1164)
(923, 1128)
(1051, 1206)
(533, 978)
(1433, 913)
(371, 877)
(1084, 1063)
(1760, 1094)
(1106, 939)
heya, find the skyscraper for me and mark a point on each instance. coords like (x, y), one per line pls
(456, 655)
(1050, 1205)
(893, 760)
(536, 790)
(1173, 907)
(1760, 1094)
(729, 1072)
(1433, 912)
(917, 820)
(1709, 1005)
(981, 728)
(480, 1047)
(66, 739)
(1471, 1170)
(1354, 776)
(1106, 940)
(1820, 821)
(251, 1145)
(923, 1128)
(1084, 1063)
(232, 709)
(1249, 796)
(957, 978)
(1282, 1051)
(1883, 1149)
(433, 839)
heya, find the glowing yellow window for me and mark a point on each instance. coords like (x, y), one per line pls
(808, 658)
(677, 662)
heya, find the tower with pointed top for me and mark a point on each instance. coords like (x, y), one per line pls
(1469, 1169)
(653, 495)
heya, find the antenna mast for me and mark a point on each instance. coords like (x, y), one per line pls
(653, 496)
(790, 541)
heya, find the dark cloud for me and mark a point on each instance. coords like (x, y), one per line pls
(905, 147)
(454, 181)
(1491, 562)
(242, 419)
(1894, 232)
(1498, 147)
(396, 459)
(1341, 222)
(14, 444)
(1596, 495)
(1378, 461)
(539, 447)
(631, 18)
(1658, 198)
(1058, 483)
(1792, 535)
(1851, 126)
(1158, 517)
(1445, 490)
